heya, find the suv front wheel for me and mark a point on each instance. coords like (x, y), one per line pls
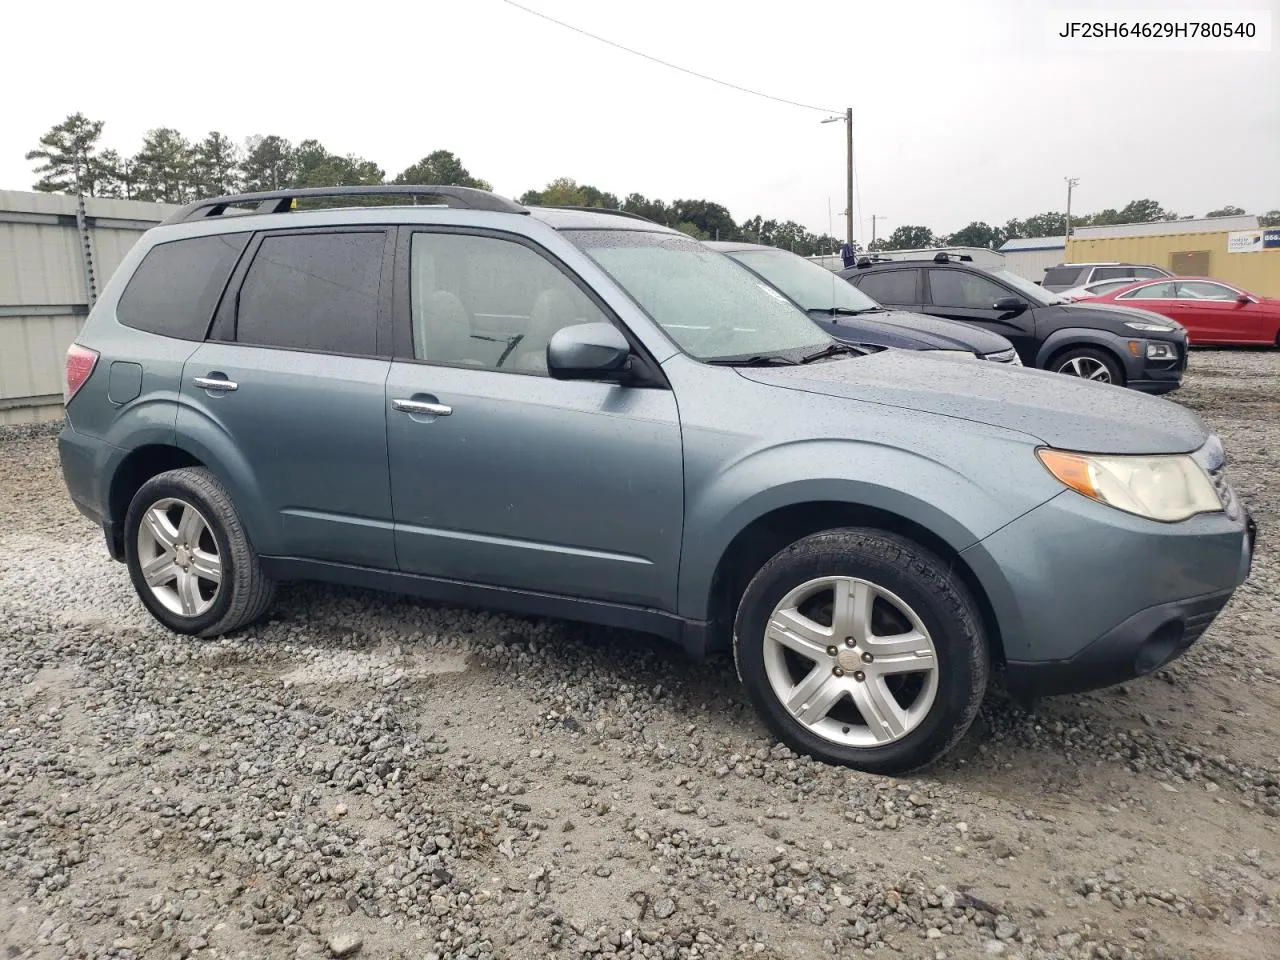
(860, 647)
(189, 556)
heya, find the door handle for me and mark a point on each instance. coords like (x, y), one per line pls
(216, 383)
(422, 407)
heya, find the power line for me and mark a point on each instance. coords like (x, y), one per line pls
(673, 66)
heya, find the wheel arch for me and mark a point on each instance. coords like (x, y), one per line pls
(1060, 341)
(767, 534)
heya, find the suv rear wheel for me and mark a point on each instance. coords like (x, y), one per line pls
(189, 556)
(859, 647)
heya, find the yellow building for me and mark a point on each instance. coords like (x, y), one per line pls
(1232, 249)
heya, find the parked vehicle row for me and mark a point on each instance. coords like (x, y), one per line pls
(1113, 344)
(590, 416)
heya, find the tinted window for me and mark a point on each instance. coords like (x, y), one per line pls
(890, 286)
(955, 288)
(1112, 273)
(176, 288)
(1143, 273)
(1199, 290)
(489, 303)
(1062, 276)
(313, 291)
(1152, 291)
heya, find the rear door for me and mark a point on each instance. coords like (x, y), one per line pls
(287, 396)
(954, 293)
(899, 288)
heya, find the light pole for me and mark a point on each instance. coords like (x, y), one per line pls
(874, 218)
(848, 123)
(1071, 182)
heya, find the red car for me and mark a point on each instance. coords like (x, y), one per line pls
(1212, 311)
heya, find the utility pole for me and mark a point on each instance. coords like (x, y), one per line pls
(1071, 182)
(874, 218)
(848, 123)
(848, 129)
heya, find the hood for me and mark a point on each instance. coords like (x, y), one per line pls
(1061, 411)
(1108, 316)
(915, 331)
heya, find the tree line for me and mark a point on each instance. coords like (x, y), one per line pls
(171, 168)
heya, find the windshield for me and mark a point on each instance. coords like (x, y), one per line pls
(711, 307)
(1036, 294)
(811, 286)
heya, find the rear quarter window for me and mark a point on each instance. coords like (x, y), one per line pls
(1062, 276)
(176, 287)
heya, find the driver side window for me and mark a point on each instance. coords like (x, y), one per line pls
(956, 288)
(1154, 291)
(489, 303)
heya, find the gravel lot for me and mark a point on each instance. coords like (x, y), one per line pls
(372, 776)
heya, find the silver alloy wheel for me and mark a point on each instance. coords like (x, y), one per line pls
(1087, 368)
(834, 671)
(178, 557)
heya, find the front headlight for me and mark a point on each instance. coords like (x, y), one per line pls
(1161, 351)
(1148, 327)
(1166, 488)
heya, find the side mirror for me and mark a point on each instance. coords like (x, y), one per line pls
(588, 351)
(1010, 305)
(1244, 298)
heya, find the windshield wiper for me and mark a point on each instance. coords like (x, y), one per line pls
(847, 311)
(759, 360)
(831, 351)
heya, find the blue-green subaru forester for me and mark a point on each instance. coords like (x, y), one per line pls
(587, 415)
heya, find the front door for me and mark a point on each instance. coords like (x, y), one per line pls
(292, 385)
(501, 475)
(1213, 313)
(956, 294)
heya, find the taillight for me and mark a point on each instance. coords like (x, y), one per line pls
(80, 363)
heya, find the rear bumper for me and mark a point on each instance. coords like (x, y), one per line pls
(85, 465)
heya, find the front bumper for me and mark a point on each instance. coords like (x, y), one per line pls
(1086, 596)
(1155, 376)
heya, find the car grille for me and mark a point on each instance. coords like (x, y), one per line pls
(1005, 356)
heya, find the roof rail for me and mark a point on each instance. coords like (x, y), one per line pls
(868, 261)
(610, 210)
(281, 201)
(942, 257)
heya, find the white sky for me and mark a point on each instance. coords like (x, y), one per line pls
(961, 109)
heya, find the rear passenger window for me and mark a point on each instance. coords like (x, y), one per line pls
(890, 286)
(313, 291)
(176, 288)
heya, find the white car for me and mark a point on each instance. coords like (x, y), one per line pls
(1088, 290)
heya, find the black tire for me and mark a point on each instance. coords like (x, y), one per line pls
(1108, 360)
(916, 576)
(244, 593)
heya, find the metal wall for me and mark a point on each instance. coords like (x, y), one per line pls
(44, 280)
(1031, 264)
(1258, 272)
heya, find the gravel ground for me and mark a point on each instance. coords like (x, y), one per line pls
(371, 776)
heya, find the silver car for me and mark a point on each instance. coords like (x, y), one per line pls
(590, 416)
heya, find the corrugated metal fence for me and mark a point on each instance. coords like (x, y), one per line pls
(44, 280)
